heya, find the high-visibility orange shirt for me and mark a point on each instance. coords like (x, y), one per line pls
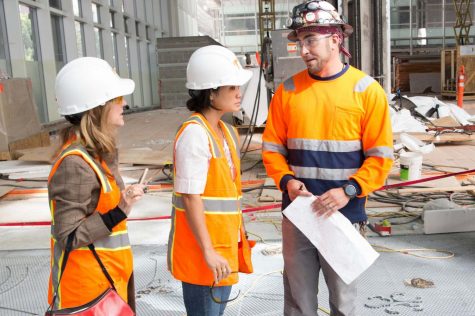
(327, 132)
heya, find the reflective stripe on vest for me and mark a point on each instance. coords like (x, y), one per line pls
(211, 205)
(214, 145)
(273, 147)
(114, 249)
(222, 210)
(73, 150)
(380, 151)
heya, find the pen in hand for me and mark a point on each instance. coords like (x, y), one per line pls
(142, 179)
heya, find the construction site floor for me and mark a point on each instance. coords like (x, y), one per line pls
(25, 258)
(381, 290)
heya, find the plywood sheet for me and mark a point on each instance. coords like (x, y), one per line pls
(270, 195)
(42, 154)
(153, 129)
(146, 156)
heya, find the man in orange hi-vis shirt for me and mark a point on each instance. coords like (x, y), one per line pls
(329, 134)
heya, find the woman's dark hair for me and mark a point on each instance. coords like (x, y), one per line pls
(200, 100)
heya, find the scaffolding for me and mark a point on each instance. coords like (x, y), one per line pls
(266, 18)
(463, 21)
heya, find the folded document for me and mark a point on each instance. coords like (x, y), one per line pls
(342, 246)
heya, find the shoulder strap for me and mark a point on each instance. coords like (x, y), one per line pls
(91, 247)
(67, 251)
(69, 245)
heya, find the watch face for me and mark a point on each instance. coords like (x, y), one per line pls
(350, 190)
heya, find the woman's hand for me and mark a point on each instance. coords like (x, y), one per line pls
(217, 264)
(129, 196)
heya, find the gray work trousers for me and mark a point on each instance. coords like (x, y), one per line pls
(302, 264)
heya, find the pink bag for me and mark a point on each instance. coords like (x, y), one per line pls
(108, 303)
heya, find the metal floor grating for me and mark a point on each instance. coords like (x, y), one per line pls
(24, 277)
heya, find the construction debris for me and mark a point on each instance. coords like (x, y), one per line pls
(419, 283)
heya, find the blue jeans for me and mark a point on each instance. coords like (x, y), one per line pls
(198, 300)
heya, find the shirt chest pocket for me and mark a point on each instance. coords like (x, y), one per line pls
(347, 123)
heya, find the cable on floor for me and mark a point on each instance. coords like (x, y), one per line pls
(411, 252)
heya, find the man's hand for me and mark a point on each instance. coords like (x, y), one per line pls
(330, 202)
(217, 264)
(296, 188)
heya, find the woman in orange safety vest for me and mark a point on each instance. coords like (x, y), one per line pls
(206, 215)
(88, 202)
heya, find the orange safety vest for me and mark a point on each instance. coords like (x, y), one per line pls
(83, 279)
(222, 208)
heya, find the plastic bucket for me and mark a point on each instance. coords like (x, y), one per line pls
(411, 165)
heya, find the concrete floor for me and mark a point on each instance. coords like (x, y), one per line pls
(24, 276)
(24, 263)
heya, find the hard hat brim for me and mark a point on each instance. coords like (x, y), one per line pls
(127, 86)
(347, 31)
(238, 79)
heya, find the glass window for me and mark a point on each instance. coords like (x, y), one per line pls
(5, 66)
(34, 68)
(77, 9)
(115, 54)
(240, 24)
(140, 101)
(58, 41)
(147, 32)
(55, 4)
(80, 38)
(96, 13)
(99, 45)
(137, 29)
(126, 43)
(126, 24)
(28, 36)
(112, 24)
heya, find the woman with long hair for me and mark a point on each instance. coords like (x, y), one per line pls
(88, 201)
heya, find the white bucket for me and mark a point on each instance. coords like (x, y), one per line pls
(411, 165)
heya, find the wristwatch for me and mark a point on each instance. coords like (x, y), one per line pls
(350, 190)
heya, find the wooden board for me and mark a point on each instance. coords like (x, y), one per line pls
(43, 154)
(452, 155)
(4, 190)
(447, 121)
(144, 156)
(441, 139)
(468, 61)
(270, 195)
(152, 129)
(12, 166)
(37, 140)
(404, 69)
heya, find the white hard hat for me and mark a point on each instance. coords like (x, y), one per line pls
(88, 82)
(214, 66)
